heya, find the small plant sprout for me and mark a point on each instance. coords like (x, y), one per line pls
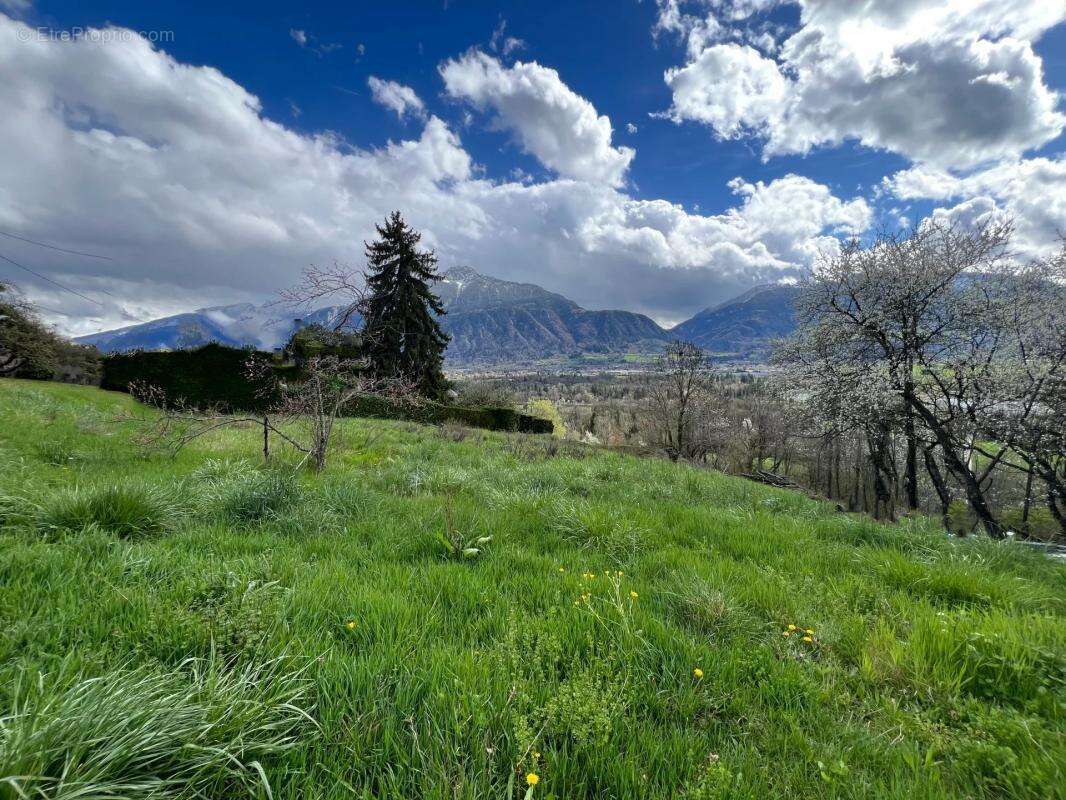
(455, 544)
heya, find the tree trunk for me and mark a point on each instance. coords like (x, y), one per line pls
(939, 485)
(884, 473)
(975, 496)
(911, 475)
(1056, 512)
(1027, 502)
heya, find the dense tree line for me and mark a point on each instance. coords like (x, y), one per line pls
(30, 349)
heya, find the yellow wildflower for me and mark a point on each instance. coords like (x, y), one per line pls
(698, 672)
(792, 627)
(634, 595)
(786, 633)
(532, 778)
(808, 639)
(809, 632)
(351, 625)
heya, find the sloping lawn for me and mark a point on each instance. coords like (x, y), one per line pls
(204, 625)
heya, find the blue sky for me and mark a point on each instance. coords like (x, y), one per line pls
(309, 67)
(603, 50)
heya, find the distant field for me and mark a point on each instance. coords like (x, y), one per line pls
(205, 626)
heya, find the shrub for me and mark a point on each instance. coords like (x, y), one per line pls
(146, 733)
(128, 511)
(259, 496)
(545, 410)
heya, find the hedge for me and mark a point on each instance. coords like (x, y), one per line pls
(431, 413)
(212, 375)
(215, 376)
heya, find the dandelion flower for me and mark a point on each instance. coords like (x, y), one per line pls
(786, 633)
(351, 625)
(792, 627)
(562, 569)
(808, 639)
(698, 672)
(532, 778)
(634, 595)
(809, 632)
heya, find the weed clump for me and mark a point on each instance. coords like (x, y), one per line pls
(130, 511)
(258, 496)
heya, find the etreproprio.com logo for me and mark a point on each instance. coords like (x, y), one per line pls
(103, 35)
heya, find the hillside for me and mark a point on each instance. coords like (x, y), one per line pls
(745, 326)
(490, 321)
(203, 624)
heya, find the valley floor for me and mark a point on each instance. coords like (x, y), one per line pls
(634, 628)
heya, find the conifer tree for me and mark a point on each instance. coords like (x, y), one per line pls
(402, 336)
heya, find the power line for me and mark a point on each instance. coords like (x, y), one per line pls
(52, 247)
(54, 283)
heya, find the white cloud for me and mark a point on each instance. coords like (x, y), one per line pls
(396, 97)
(173, 172)
(783, 224)
(1031, 191)
(560, 128)
(950, 82)
(730, 87)
(503, 44)
(298, 36)
(631, 128)
(698, 30)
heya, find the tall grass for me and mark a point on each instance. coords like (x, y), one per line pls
(257, 496)
(936, 668)
(126, 510)
(136, 733)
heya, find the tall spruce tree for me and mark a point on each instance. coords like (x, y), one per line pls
(402, 336)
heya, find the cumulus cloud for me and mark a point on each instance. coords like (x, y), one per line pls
(396, 97)
(783, 224)
(175, 174)
(1031, 191)
(950, 82)
(557, 126)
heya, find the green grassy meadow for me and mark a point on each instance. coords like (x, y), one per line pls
(203, 626)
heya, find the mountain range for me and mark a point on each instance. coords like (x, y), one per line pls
(492, 321)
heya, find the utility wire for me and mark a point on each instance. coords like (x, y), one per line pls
(52, 247)
(54, 283)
